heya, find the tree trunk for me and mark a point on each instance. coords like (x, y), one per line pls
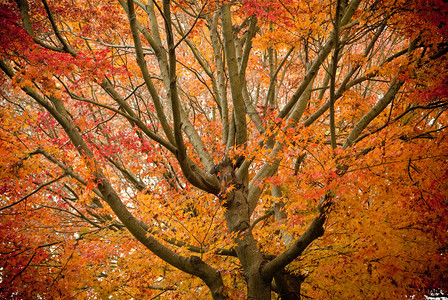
(234, 199)
(288, 285)
(237, 217)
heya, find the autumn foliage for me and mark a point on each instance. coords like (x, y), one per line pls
(228, 150)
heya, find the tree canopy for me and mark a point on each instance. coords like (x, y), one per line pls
(247, 149)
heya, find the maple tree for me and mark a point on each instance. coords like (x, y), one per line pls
(233, 150)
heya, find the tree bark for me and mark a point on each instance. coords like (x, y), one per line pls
(288, 285)
(237, 215)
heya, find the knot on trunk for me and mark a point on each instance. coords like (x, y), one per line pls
(225, 173)
(196, 261)
(241, 227)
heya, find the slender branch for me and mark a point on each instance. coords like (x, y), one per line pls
(263, 217)
(317, 62)
(271, 89)
(31, 258)
(66, 47)
(67, 169)
(35, 191)
(196, 249)
(408, 110)
(139, 185)
(131, 115)
(192, 26)
(66, 263)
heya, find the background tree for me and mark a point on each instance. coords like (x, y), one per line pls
(257, 148)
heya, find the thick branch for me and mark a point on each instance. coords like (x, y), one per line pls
(235, 84)
(192, 173)
(156, 43)
(145, 72)
(408, 110)
(250, 109)
(314, 231)
(334, 67)
(220, 74)
(394, 87)
(252, 30)
(24, 12)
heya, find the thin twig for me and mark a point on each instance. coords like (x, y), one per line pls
(33, 192)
